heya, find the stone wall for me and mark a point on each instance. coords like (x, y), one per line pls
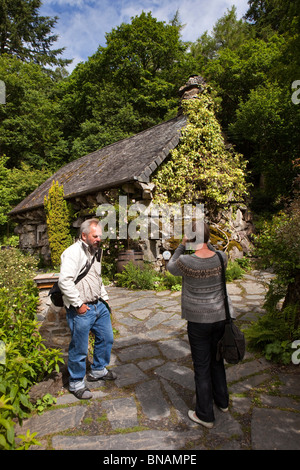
(32, 228)
(53, 323)
(32, 231)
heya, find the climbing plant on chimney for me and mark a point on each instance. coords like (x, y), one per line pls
(58, 216)
(202, 168)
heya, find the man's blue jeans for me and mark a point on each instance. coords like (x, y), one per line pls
(210, 376)
(97, 320)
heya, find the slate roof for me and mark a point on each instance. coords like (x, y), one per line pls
(128, 160)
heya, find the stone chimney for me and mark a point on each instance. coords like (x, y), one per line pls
(195, 85)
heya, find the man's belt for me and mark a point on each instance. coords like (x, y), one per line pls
(93, 302)
(99, 300)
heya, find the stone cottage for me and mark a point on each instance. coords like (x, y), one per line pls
(126, 165)
(97, 178)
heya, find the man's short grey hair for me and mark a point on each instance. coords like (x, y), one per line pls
(85, 227)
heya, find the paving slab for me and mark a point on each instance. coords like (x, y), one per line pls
(69, 398)
(225, 425)
(158, 319)
(121, 412)
(175, 348)
(53, 421)
(249, 383)
(290, 383)
(139, 304)
(152, 401)
(234, 289)
(138, 352)
(178, 374)
(141, 314)
(241, 405)
(142, 440)
(160, 334)
(150, 363)
(151, 356)
(128, 374)
(275, 429)
(178, 403)
(128, 340)
(254, 288)
(280, 402)
(175, 323)
(129, 322)
(245, 369)
(167, 302)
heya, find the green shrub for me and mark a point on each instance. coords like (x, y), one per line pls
(24, 359)
(273, 335)
(278, 247)
(236, 269)
(169, 281)
(134, 277)
(58, 216)
(16, 268)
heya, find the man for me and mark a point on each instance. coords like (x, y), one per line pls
(86, 310)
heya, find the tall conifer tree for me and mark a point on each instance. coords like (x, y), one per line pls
(27, 35)
(58, 222)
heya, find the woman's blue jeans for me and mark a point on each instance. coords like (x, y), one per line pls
(97, 320)
(210, 376)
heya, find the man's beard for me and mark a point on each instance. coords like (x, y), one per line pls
(93, 248)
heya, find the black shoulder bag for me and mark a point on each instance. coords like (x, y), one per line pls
(55, 292)
(231, 346)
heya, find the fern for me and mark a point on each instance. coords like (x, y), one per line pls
(273, 335)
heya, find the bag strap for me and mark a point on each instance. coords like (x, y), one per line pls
(88, 266)
(228, 318)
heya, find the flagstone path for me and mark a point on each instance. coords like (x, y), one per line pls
(146, 407)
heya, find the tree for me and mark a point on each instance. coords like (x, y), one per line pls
(127, 86)
(27, 35)
(58, 216)
(234, 73)
(29, 121)
(256, 112)
(266, 120)
(15, 185)
(273, 15)
(228, 32)
(281, 17)
(252, 64)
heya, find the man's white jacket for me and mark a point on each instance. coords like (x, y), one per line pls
(73, 262)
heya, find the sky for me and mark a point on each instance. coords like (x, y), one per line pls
(82, 24)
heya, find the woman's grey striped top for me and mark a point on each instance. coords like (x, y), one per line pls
(202, 298)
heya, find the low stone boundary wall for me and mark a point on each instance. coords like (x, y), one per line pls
(52, 320)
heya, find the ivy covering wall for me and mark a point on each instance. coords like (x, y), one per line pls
(202, 168)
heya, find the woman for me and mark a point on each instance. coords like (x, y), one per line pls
(203, 307)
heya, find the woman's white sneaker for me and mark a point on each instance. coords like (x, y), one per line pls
(224, 409)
